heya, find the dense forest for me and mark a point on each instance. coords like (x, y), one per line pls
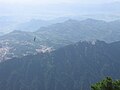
(73, 67)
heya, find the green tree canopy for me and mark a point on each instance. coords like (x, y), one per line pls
(107, 84)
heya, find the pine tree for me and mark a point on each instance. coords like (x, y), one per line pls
(107, 84)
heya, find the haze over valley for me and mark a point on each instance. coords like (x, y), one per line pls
(59, 45)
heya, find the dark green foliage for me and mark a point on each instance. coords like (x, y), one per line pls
(107, 84)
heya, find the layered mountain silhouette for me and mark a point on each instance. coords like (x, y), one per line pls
(88, 29)
(58, 35)
(10, 23)
(35, 24)
(73, 67)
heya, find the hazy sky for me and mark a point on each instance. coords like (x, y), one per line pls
(56, 7)
(54, 1)
(22, 10)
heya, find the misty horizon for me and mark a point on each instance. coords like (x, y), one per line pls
(59, 8)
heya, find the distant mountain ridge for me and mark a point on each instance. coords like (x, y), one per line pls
(58, 35)
(10, 23)
(72, 67)
(84, 30)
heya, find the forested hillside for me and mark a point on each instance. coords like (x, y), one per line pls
(74, 67)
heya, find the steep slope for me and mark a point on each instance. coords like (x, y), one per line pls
(74, 67)
(20, 43)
